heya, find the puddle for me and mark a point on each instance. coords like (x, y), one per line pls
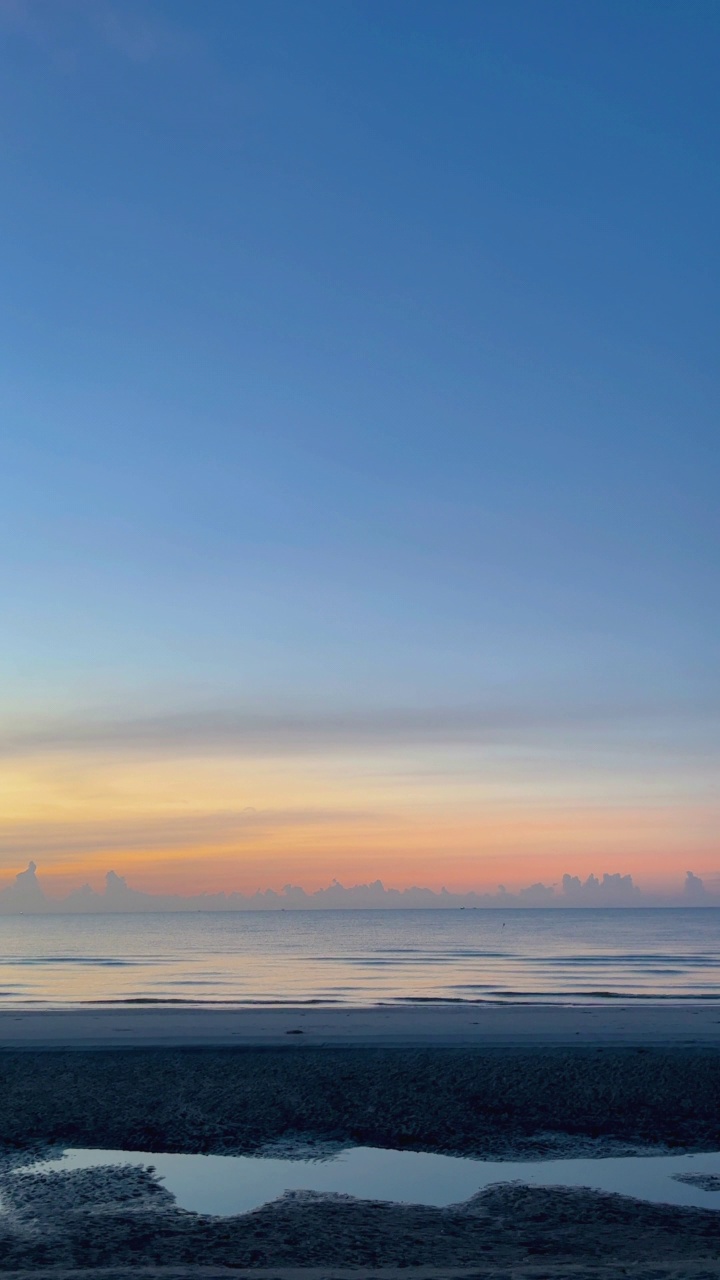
(227, 1185)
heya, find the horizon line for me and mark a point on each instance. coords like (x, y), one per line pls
(26, 896)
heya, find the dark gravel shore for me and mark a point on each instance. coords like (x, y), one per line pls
(487, 1103)
(503, 1102)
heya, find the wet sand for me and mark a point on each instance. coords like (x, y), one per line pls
(688, 1269)
(92, 1222)
(416, 1025)
(508, 1082)
(512, 1103)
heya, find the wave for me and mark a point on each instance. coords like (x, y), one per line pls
(187, 1000)
(104, 961)
(629, 957)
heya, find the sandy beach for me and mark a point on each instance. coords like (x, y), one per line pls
(506, 1082)
(413, 1026)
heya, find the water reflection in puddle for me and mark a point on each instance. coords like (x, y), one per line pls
(226, 1185)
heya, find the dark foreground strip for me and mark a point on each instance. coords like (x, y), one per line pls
(503, 1102)
(685, 1271)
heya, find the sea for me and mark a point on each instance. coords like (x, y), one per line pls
(360, 958)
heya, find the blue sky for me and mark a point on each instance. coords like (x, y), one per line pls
(360, 357)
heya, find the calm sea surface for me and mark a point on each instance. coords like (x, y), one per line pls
(360, 957)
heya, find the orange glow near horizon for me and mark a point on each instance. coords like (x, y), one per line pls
(221, 824)
(653, 847)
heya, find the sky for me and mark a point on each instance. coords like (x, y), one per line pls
(358, 425)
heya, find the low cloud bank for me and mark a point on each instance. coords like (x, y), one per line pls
(25, 895)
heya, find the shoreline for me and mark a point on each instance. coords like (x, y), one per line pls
(421, 1025)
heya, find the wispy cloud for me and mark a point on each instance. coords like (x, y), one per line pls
(171, 831)
(241, 731)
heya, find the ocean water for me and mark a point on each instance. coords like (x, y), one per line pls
(360, 957)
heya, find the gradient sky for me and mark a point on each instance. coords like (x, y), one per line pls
(359, 405)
